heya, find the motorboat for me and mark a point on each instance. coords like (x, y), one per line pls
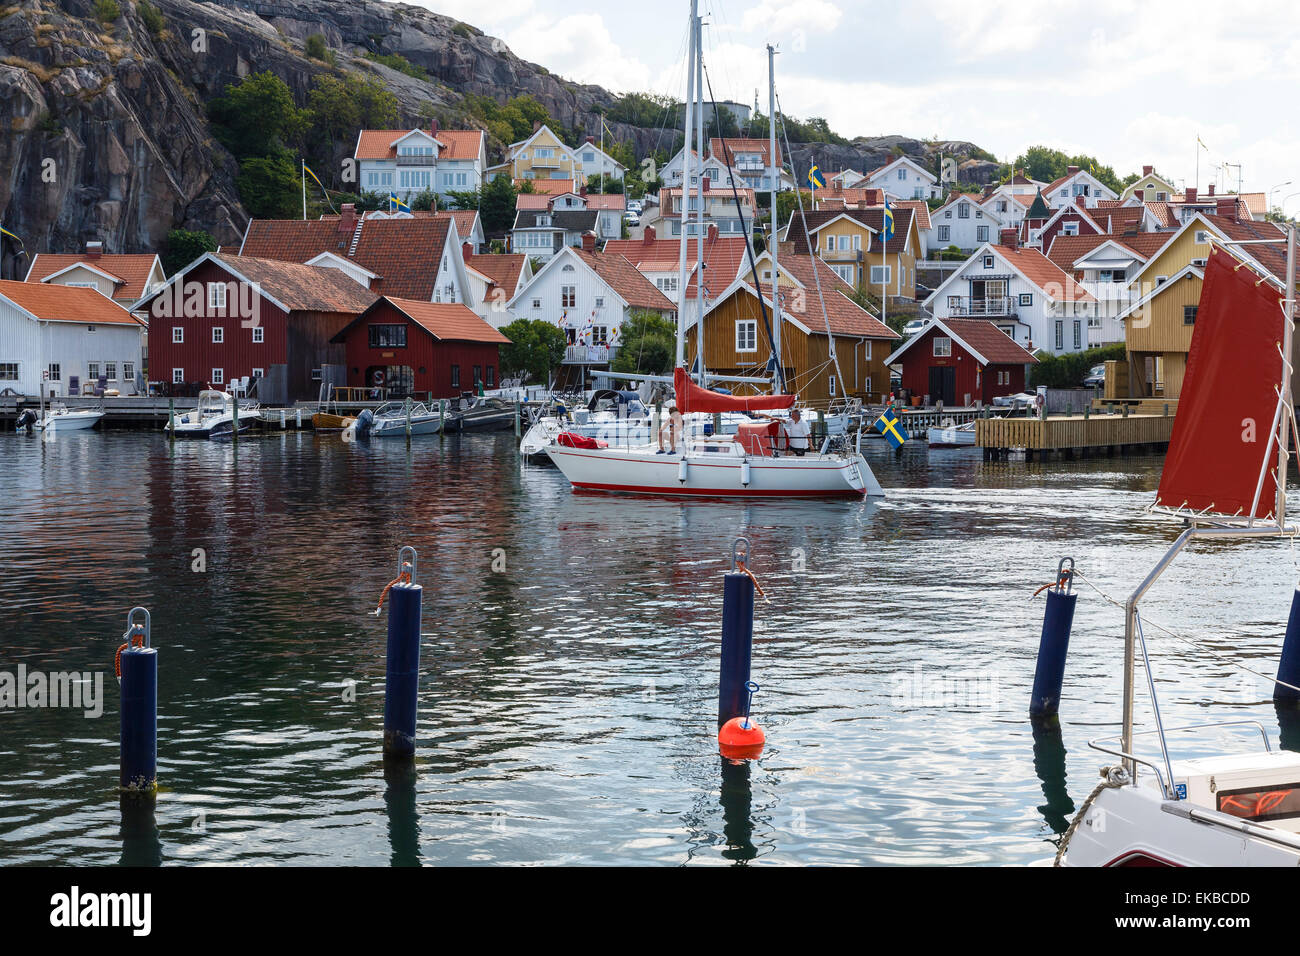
(59, 418)
(214, 417)
(390, 420)
(951, 436)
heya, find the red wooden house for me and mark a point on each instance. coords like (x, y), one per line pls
(426, 349)
(962, 361)
(224, 318)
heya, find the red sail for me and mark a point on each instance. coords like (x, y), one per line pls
(693, 398)
(1220, 441)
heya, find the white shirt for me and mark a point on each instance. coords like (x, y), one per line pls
(798, 433)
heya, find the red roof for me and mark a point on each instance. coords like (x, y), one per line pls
(456, 143)
(920, 208)
(734, 146)
(1042, 272)
(405, 253)
(723, 257)
(131, 271)
(976, 337)
(550, 187)
(302, 288)
(450, 321)
(621, 276)
(843, 315)
(505, 271)
(52, 302)
(464, 219)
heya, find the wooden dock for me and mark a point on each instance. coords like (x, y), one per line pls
(1073, 435)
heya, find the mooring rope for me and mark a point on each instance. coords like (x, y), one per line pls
(402, 578)
(1109, 781)
(1186, 640)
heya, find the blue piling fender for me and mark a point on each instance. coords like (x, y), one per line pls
(1054, 643)
(737, 635)
(402, 680)
(1288, 667)
(137, 669)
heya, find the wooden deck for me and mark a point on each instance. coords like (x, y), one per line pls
(1073, 434)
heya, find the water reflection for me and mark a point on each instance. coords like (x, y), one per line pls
(1049, 765)
(737, 798)
(403, 818)
(141, 843)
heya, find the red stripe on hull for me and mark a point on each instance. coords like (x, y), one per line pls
(713, 492)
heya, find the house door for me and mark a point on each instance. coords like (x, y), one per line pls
(943, 386)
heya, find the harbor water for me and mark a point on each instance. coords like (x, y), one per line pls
(570, 655)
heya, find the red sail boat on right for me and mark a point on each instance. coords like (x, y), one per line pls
(1238, 809)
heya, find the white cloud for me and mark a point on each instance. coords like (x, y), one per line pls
(790, 18)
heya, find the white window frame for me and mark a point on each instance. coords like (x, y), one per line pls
(218, 376)
(259, 334)
(178, 376)
(217, 296)
(178, 335)
(218, 334)
(941, 346)
(746, 335)
(878, 279)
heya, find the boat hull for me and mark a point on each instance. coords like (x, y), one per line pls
(396, 428)
(951, 437)
(72, 422)
(714, 475)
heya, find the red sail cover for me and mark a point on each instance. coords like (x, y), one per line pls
(1220, 440)
(693, 398)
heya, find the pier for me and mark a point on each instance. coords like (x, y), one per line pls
(1073, 435)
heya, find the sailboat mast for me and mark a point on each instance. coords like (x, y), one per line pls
(699, 241)
(1288, 335)
(684, 215)
(774, 173)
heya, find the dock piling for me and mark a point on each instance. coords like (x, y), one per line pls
(1288, 668)
(402, 680)
(737, 634)
(171, 419)
(137, 668)
(1053, 644)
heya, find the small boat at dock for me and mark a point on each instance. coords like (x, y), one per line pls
(214, 417)
(59, 418)
(952, 436)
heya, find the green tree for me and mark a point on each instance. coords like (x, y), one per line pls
(183, 247)
(316, 48)
(1047, 164)
(107, 11)
(257, 116)
(152, 18)
(269, 187)
(647, 345)
(536, 348)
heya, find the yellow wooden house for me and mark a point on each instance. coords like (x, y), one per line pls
(543, 155)
(737, 339)
(1150, 188)
(848, 240)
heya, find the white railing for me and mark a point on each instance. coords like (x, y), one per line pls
(586, 354)
(992, 305)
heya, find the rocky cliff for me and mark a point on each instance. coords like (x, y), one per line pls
(105, 101)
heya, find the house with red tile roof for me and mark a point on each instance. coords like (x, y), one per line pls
(124, 278)
(750, 162)
(730, 210)
(590, 295)
(904, 178)
(225, 318)
(964, 221)
(1075, 184)
(609, 209)
(426, 350)
(960, 362)
(409, 162)
(494, 280)
(410, 257)
(1024, 293)
(659, 260)
(59, 336)
(849, 241)
(1104, 264)
(738, 332)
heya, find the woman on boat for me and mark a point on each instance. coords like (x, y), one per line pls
(673, 428)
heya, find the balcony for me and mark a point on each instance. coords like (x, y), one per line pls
(404, 160)
(965, 306)
(750, 165)
(588, 354)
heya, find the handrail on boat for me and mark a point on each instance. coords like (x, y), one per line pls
(1166, 788)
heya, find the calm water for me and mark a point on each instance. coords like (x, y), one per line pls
(568, 702)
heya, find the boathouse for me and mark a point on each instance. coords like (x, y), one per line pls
(401, 347)
(960, 362)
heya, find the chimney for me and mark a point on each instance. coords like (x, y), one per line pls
(582, 191)
(588, 241)
(94, 249)
(1071, 170)
(348, 218)
(1226, 206)
(591, 140)
(1010, 238)
(433, 128)
(649, 235)
(1211, 189)
(713, 232)
(1081, 201)
(837, 187)
(467, 249)
(537, 124)
(1148, 170)
(1191, 194)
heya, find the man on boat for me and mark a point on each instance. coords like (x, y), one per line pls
(673, 428)
(797, 433)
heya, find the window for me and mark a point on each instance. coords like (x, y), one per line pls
(218, 334)
(178, 335)
(830, 384)
(110, 371)
(1026, 299)
(92, 371)
(1070, 229)
(455, 376)
(866, 384)
(830, 243)
(1189, 315)
(902, 174)
(1078, 334)
(947, 214)
(844, 243)
(857, 242)
(963, 211)
(588, 157)
(881, 275)
(54, 373)
(259, 373)
(8, 371)
(128, 371)
(1162, 196)
(387, 336)
(568, 296)
(988, 262)
(942, 346)
(90, 328)
(1161, 280)
(217, 296)
(600, 302)
(746, 335)
(218, 376)
(537, 303)
(178, 376)
(1202, 237)
(944, 233)
(1060, 335)
(982, 234)
(491, 376)
(845, 273)
(259, 334)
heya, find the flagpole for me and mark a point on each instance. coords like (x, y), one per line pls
(775, 172)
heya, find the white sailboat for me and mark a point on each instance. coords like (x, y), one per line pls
(752, 463)
(1239, 809)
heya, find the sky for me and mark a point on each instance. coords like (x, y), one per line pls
(1133, 84)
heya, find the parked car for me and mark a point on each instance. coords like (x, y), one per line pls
(1015, 402)
(1096, 378)
(632, 219)
(635, 206)
(916, 325)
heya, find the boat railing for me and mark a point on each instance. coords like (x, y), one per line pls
(1166, 787)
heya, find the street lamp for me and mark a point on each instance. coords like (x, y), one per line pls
(1275, 189)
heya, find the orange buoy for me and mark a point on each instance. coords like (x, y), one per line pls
(741, 739)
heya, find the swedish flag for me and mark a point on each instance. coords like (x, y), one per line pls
(397, 204)
(887, 223)
(893, 430)
(815, 178)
